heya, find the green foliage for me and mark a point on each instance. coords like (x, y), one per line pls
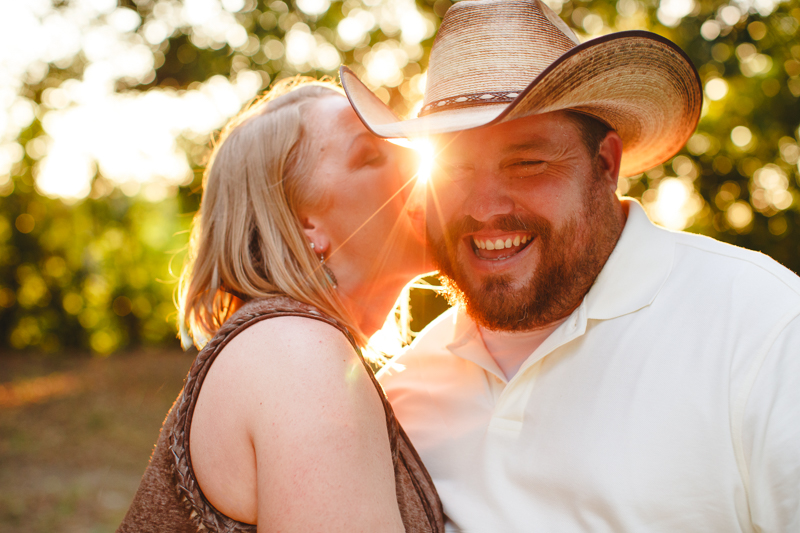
(96, 273)
(93, 275)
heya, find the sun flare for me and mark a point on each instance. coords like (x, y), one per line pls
(426, 152)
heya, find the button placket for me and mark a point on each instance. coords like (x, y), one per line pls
(510, 407)
(509, 410)
(495, 384)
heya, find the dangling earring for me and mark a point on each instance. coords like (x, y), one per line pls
(328, 272)
(329, 275)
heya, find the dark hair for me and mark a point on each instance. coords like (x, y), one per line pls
(591, 129)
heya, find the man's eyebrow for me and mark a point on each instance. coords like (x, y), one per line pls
(533, 144)
(522, 147)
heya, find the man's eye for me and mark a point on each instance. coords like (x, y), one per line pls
(527, 168)
(450, 170)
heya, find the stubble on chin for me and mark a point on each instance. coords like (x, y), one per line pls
(569, 260)
(499, 303)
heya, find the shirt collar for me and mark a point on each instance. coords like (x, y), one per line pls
(636, 269)
(468, 344)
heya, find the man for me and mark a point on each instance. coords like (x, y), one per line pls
(599, 373)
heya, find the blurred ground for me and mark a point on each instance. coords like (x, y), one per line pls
(76, 434)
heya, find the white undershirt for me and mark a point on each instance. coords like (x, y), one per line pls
(510, 349)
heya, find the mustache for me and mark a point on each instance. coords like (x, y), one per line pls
(535, 225)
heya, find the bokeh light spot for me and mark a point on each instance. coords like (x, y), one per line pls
(698, 144)
(730, 15)
(757, 30)
(72, 303)
(674, 203)
(122, 306)
(25, 223)
(716, 89)
(313, 7)
(671, 12)
(233, 6)
(741, 136)
(778, 225)
(739, 215)
(710, 30)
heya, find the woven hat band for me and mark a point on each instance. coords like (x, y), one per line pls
(495, 61)
(468, 100)
(493, 46)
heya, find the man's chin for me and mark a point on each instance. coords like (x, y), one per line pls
(476, 285)
(492, 301)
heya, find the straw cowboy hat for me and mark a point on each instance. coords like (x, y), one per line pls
(499, 60)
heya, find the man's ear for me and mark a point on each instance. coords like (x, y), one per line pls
(609, 154)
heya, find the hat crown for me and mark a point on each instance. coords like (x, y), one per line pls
(487, 51)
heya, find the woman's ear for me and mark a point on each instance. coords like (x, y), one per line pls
(313, 228)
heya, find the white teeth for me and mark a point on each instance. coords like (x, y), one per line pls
(500, 244)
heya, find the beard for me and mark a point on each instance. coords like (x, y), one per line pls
(570, 259)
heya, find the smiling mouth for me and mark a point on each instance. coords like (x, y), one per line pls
(501, 247)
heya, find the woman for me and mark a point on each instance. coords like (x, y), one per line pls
(301, 245)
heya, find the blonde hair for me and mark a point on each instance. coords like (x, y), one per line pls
(246, 238)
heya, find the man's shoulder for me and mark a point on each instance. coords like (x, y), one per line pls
(437, 334)
(430, 342)
(721, 259)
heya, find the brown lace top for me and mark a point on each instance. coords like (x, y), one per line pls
(169, 498)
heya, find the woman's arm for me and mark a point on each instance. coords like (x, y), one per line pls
(316, 426)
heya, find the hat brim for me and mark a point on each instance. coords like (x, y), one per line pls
(638, 83)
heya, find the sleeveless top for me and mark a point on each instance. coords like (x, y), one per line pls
(169, 498)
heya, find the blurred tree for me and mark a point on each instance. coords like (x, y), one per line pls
(89, 267)
(93, 275)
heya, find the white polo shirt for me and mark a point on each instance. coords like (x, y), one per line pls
(669, 401)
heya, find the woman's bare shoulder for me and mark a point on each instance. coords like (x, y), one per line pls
(283, 358)
(287, 344)
(319, 435)
(283, 394)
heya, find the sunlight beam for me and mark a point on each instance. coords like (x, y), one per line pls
(426, 151)
(427, 155)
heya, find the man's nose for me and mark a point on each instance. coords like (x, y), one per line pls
(487, 198)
